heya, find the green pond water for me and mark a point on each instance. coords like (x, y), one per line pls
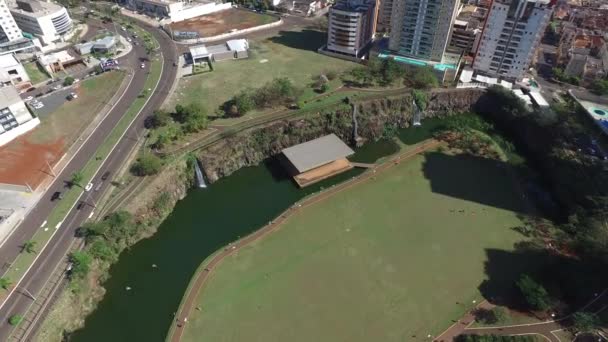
(203, 222)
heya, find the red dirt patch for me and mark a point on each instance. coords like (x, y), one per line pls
(24, 162)
(222, 22)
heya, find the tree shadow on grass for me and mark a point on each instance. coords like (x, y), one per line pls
(307, 39)
(571, 282)
(481, 180)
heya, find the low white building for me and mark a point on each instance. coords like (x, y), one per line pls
(45, 20)
(11, 71)
(232, 49)
(174, 10)
(15, 118)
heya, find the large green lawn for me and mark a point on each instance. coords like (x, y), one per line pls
(290, 54)
(395, 257)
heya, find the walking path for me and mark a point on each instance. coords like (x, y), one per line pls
(544, 329)
(202, 274)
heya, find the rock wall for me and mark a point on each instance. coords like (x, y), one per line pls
(252, 146)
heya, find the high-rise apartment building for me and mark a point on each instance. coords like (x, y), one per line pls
(45, 20)
(510, 37)
(384, 15)
(351, 27)
(421, 28)
(9, 31)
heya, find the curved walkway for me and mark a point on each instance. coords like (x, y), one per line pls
(544, 329)
(202, 275)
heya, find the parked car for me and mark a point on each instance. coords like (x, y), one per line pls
(88, 187)
(57, 195)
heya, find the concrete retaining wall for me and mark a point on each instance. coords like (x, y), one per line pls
(225, 35)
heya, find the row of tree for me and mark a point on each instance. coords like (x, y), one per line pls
(279, 91)
(385, 72)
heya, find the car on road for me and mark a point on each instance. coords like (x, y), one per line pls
(123, 28)
(80, 205)
(88, 187)
(142, 65)
(72, 96)
(129, 39)
(105, 175)
(57, 195)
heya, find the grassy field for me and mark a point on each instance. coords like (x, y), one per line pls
(69, 120)
(289, 54)
(35, 73)
(393, 259)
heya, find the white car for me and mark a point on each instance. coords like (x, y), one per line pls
(88, 187)
(29, 98)
(142, 65)
(57, 87)
(38, 105)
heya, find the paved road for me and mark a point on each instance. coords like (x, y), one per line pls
(39, 273)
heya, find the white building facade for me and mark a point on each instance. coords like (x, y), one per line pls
(45, 20)
(351, 27)
(510, 37)
(421, 28)
(11, 71)
(9, 31)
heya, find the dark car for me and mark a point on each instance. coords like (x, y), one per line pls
(57, 195)
(105, 176)
(80, 206)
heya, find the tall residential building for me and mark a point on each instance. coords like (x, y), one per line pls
(384, 16)
(352, 24)
(421, 28)
(510, 37)
(9, 31)
(466, 32)
(45, 20)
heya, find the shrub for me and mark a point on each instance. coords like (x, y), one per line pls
(68, 81)
(81, 263)
(585, 322)
(159, 118)
(15, 320)
(534, 293)
(423, 78)
(324, 88)
(331, 75)
(147, 165)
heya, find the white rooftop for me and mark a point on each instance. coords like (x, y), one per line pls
(539, 99)
(199, 51)
(7, 61)
(9, 96)
(317, 152)
(238, 45)
(466, 75)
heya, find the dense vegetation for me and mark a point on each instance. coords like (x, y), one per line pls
(279, 91)
(495, 338)
(385, 72)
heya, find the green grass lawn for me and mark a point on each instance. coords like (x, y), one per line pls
(35, 73)
(290, 54)
(69, 120)
(386, 260)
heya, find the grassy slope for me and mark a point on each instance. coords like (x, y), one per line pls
(290, 54)
(69, 120)
(35, 73)
(380, 262)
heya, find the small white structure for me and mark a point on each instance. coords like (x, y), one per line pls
(101, 45)
(15, 118)
(538, 100)
(54, 62)
(232, 49)
(45, 20)
(11, 71)
(519, 93)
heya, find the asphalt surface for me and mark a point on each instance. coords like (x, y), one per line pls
(39, 273)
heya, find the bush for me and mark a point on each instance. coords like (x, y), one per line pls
(147, 165)
(420, 98)
(159, 118)
(423, 78)
(68, 81)
(534, 293)
(324, 88)
(100, 249)
(276, 92)
(331, 75)
(15, 320)
(585, 322)
(81, 263)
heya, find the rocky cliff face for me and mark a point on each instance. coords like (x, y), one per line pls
(252, 146)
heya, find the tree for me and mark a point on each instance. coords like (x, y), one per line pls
(500, 314)
(362, 76)
(182, 113)
(5, 283)
(390, 71)
(420, 98)
(100, 249)
(423, 78)
(324, 88)
(159, 118)
(585, 322)
(243, 102)
(15, 319)
(600, 87)
(68, 81)
(29, 247)
(147, 165)
(162, 140)
(81, 263)
(534, 293)
(77, 178)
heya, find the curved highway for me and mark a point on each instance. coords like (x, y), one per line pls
(37, 276)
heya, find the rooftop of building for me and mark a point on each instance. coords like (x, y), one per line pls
(202, 51)
(353, 5)
(34, 8)
(9, 96)
(7, 61)
(317, 152)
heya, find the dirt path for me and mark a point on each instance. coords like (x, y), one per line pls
(544, 329)
(202, 275)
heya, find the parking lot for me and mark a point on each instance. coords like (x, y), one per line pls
(51, 102)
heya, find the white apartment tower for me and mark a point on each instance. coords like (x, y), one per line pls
(351, 27)
(510, 37)
(421, 28)
(9, 31)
